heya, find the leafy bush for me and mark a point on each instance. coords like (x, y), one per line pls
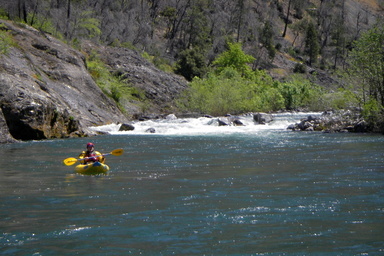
(229, 92)
(6, 41)
(300, 68)
(299, 92)
(373, 113)
(341, 99)
(234, 88)
(42, 23)
(88, 26)
(113, 85)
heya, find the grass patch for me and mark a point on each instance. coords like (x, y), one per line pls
(114, 85)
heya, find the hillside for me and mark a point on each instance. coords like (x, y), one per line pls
(47, 90)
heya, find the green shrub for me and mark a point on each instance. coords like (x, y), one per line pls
(6, 41)
(229, 92)
(44, 24)
(373, 113)
(300, 68)
(113, 85)
(299, 92)
(341, 99)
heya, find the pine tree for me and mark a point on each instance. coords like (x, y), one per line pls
(312, 46)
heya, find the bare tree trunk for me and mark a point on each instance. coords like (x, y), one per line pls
(22, 10)
(287, 18)
(240, 20)
(69, 9)
(66, 33)
(34, 13)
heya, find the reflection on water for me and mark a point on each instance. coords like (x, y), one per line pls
(270, 193)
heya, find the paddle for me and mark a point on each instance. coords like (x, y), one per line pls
(72, 160)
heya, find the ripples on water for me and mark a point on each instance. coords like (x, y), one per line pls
(268, 193)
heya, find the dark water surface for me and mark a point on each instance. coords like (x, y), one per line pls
(268, 193)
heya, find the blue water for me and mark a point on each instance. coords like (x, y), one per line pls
(269, 193)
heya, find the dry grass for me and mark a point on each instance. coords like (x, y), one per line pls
(373, 4)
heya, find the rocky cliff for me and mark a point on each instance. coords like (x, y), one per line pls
(46, 91)
(159, 88)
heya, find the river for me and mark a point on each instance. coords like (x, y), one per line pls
(197, 189)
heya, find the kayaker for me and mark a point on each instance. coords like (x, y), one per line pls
(94, 156)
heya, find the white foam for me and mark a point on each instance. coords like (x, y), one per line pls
(203, 125)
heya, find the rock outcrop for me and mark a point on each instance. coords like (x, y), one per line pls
(339, 121)
(5, 136)
(160, 88)
(47, 92)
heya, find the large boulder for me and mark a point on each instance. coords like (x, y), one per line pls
(46, 91)
(126, 127)
(262, 118)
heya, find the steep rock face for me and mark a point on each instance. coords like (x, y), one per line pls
(160, 88)
(5, 136)
(46, 91)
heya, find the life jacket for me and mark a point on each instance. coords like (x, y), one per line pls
(95, 154)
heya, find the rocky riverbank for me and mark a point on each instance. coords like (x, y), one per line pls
(333, 121)
(328, 122)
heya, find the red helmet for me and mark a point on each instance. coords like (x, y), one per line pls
(90, 145)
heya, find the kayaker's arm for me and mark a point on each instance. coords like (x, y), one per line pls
(100, 157)
(83, 157)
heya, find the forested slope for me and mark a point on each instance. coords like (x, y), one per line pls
(272, 31)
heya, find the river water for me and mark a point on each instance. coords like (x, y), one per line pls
(253, 190)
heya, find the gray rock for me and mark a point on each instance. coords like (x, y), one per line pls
(46, 91)
(333, 121)
(262, 118)
(223, 121)
(5, 136)
(150, 130)
(126, 127)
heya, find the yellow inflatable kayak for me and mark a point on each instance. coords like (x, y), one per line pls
(92, 168)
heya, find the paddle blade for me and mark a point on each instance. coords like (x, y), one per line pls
(117, 152)
(70, 161)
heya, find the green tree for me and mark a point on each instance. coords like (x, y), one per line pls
(312, 43)
(266, 38)
(191, 63)
(88, 26)
(366, 63)
(235, 58)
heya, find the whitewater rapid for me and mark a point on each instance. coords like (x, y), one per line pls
(204, 125)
